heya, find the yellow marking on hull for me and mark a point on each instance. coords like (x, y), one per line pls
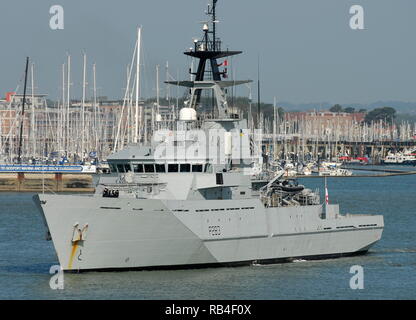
(71, 258)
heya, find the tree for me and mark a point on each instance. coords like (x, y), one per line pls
(362, 111)
(385, 113)
(336, 108)
(349, 110)
(281, 113)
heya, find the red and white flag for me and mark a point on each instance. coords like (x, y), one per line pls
(224, 64)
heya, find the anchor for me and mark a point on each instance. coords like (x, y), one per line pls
(78, 237)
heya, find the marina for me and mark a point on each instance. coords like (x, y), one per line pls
(85, 131)
(44, 133)
(179, 180)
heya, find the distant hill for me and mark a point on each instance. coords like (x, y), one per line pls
(400, 106)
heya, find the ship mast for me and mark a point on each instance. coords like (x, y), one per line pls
(208, 75)
(209, 48)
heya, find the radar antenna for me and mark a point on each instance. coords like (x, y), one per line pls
(208, 50)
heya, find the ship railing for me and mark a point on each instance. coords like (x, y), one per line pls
(133, 184)
(209, 45)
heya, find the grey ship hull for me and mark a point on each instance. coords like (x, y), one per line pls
(136, 234)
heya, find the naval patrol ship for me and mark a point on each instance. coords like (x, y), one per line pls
(189, 197)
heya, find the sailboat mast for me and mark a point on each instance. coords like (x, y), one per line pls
(258, 94)
(157, 111)
(157, 88)
(95, 108)
(136, 125)
(62, 111)
(33, 112)
(68, 122)
(125, 101)
(83, 107)
(129, 104)
(19, 157)
(274, 126)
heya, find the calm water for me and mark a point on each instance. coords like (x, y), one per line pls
(390, 267)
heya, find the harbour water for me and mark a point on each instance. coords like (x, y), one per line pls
(389, 268)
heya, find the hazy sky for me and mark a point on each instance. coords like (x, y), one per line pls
(307, 49)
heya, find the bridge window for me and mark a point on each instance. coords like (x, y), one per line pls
(173, 167)
(220, 179)
(138, 168)
(197, 168)
(120, 168)
(185, 168)
(160, 168)
(149, 168)
(127, 168)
